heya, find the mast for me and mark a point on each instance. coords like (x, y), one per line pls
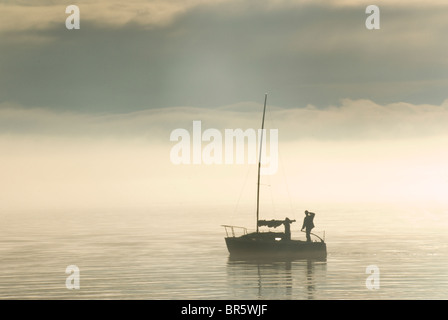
(259, 159)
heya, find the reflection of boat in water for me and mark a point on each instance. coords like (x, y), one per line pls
(271, 244)
(284, 279)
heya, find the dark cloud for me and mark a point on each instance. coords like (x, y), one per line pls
(219, 55)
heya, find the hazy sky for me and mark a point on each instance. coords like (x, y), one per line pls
(86, 115)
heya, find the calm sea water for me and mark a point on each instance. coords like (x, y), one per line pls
(178, 252)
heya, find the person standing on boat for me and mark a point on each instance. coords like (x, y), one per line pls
(308, 224)
(287, 224)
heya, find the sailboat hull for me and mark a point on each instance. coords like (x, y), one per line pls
(268, 245)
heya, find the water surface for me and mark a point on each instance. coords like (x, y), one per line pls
(178, 252)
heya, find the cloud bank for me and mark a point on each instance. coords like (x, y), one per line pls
(351, 120)
(20, 15)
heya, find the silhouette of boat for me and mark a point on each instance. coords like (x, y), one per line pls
(271, 244)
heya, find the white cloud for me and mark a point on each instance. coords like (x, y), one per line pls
(351, 120)
(42, 14)
(17, 16)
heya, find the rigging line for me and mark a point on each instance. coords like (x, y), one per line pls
(272, 200)
(274, 209)
(287, 186)
(242, 190)
(259, 160)
(271, 118)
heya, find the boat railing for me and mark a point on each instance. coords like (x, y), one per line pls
(230, 230)
(322, 239)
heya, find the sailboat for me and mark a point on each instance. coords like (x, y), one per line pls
(269, 244)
